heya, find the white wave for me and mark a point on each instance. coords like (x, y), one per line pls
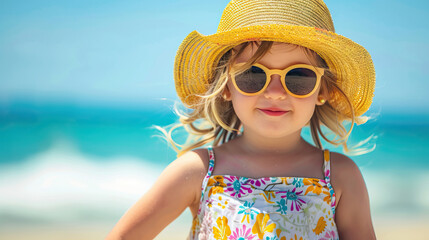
(398, 192)
(63, 184)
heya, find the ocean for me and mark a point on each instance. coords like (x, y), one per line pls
(67, 163)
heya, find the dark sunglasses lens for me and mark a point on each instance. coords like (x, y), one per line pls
(301, 81)
(252, 80)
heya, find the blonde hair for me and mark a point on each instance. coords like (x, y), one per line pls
(213, 118)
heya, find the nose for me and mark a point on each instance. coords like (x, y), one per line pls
(275, 88)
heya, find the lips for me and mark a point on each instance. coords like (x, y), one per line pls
(274, 111)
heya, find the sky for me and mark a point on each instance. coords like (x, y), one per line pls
(122, 52)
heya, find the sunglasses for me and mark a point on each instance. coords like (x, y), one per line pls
(299, 80)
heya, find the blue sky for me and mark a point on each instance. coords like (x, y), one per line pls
(122, 52)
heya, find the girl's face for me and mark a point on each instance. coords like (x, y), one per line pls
(249, 109)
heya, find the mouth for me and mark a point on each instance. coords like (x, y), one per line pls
(272, 112)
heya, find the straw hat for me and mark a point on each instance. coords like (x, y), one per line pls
(302, 22)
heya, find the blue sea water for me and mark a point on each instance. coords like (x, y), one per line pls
(79, 162)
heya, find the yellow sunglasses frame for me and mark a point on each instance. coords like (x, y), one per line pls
(282, 72)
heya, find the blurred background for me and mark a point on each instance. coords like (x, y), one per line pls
(83, 82)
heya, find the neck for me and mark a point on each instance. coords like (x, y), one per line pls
(256, 144)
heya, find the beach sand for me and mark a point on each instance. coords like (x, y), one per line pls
(386, 229)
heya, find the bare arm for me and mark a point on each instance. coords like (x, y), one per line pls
(353, 217)
(176, 188)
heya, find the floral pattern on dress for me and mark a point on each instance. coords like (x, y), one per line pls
(270, 208)
(242, 233)
(237, 186)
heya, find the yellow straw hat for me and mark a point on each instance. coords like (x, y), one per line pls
(307, 23)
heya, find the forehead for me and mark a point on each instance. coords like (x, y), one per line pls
(280, 55)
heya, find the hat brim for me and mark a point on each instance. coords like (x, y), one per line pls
(198, 55)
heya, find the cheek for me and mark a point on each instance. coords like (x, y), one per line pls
(313, 98)
(241, 103)
(311, 101)
(235, 94)
(304, 107)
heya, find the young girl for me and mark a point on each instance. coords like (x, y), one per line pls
(272, 68)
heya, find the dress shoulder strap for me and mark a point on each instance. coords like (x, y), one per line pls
(327, 170)
(327, 165)
(211, 160)
(209, 172)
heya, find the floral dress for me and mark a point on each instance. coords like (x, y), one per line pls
(271, 208)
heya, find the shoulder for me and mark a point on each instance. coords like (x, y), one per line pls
(194, 157)
(191, 168)
(193, 163)
(345, 173)
(353, 216)
(341, 163)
